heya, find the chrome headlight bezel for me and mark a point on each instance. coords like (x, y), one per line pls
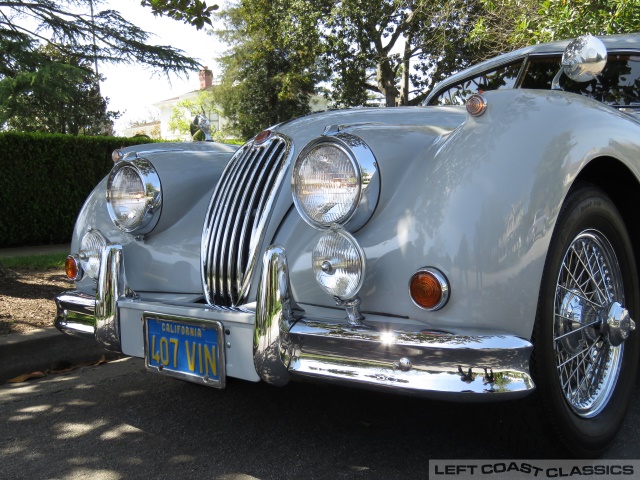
(147, 220)
(365, 172)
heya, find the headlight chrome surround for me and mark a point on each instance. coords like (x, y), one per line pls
(135, 208)
(361, 202)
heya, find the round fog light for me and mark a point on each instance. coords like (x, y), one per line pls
(90, 254)
(429, 289)
(339, 263)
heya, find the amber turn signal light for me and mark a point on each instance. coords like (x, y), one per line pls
(429, 289)
(72, 268)
(476, 105)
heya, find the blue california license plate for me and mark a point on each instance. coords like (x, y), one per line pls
(185, 348)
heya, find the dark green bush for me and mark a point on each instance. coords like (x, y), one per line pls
(45, 179)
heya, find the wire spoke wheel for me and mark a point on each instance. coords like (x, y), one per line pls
(587, 364)
(586, 346)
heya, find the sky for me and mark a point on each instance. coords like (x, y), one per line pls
(133, 89)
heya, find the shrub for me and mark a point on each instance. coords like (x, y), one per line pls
(45, 179)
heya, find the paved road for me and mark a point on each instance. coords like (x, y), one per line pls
(117, 421)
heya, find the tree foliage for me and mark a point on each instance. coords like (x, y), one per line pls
(194, 12)
(271, 68)
(62, 96)
(400, 49)
(509, 24)
(42, 42)
(562, 19)
(68, 25)
(396, 48)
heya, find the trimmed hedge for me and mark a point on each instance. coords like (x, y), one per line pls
(45, 179)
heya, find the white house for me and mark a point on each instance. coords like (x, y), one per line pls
(218, 123)
(151, 129)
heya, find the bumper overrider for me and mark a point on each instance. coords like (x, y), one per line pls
(289, 344)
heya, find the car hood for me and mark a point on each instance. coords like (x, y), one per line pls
(432, 121)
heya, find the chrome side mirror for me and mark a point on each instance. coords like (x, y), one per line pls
(582, 60)
(200, 128)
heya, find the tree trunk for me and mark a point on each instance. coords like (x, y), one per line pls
(406, 65)
(386, 82)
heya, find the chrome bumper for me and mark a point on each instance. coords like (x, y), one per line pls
(415, 360)
(288, 344)
(96, 317)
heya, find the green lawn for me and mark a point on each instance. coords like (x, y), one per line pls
(35, 262)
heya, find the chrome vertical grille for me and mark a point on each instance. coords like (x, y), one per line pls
(238, 213)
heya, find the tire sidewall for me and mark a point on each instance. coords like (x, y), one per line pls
(585, 208)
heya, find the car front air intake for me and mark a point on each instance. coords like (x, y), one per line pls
(238, 213)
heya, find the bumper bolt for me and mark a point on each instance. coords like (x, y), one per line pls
(403, 364)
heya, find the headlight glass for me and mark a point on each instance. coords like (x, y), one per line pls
(338, 264)
(134, 196)
(92, 246)
(326, 184)
(128, 198)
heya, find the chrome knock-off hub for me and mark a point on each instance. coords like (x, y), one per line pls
(616, 324)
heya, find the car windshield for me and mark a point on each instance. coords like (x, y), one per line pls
(503, 77)
(618, 84)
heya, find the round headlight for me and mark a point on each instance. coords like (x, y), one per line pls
(91, 247)
(326, 184)
(134, 197)
(339, 263)
(336, 181)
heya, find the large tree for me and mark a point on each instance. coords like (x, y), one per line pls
(396, 48)
(271, 69)
(63, 98)
(400, 48)
(42, 42)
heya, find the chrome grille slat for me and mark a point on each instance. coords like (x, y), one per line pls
(236, 219)
(246, 205)
(217, 203)
(233, 215)
(250, 242)
(242, 259)
(219, 218)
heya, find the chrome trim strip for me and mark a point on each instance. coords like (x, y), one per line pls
(256, 232)
(210, 246)
(387, 357)
(409, 359)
